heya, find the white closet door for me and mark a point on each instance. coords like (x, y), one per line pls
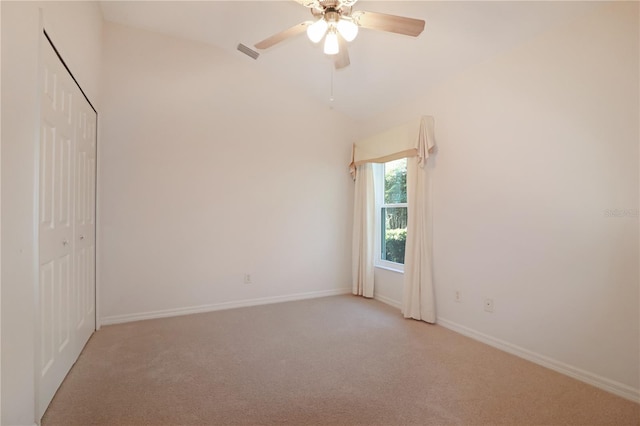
(85, 224)
(66, 303)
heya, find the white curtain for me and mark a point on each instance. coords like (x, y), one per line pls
(413, 140)
(418, 296)
(363, 231)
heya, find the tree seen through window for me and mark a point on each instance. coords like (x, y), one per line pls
(394, 211)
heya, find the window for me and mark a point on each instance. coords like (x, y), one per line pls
(391, 213)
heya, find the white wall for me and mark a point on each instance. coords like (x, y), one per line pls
(210, 170)
(75, 27)
(534, 147)
(388, 286)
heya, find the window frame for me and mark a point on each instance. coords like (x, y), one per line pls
(378, 184)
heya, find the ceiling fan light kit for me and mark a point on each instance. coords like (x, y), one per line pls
(326, 27)
(337, 24)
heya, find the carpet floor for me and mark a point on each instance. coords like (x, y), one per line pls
(340, 360)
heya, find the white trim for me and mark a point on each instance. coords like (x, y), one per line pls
(98, 229)
(390, 268)
(378, 184)
(600, 382)
(388, 301)
(117, 319)
(37, 340)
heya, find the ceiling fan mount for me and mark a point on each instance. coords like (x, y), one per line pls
(326, 4)
(337, 23)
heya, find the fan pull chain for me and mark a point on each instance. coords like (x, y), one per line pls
(331, 96)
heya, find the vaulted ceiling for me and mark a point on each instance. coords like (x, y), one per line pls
(386, 69)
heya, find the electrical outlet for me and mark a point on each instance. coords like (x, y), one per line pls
(247, 278)
(457, 296)
(488, 305)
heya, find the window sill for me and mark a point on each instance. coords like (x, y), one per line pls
(390, 268)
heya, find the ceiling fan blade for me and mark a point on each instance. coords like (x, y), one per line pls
(342, 57)
(283, 35)
(390, 23)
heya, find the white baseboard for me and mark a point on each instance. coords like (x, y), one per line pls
(388, 301)
(603, 383)
(118, 319)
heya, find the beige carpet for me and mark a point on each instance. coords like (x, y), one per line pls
(333, 361)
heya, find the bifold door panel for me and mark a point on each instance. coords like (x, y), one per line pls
(66, 231)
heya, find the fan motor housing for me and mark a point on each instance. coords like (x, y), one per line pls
(331, 15)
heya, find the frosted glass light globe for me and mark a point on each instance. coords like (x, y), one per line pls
(316, 31)
(348, 29)
(331, 46)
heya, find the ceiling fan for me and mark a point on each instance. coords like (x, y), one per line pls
(338, 23)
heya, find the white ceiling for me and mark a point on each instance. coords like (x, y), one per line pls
(386, 69)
